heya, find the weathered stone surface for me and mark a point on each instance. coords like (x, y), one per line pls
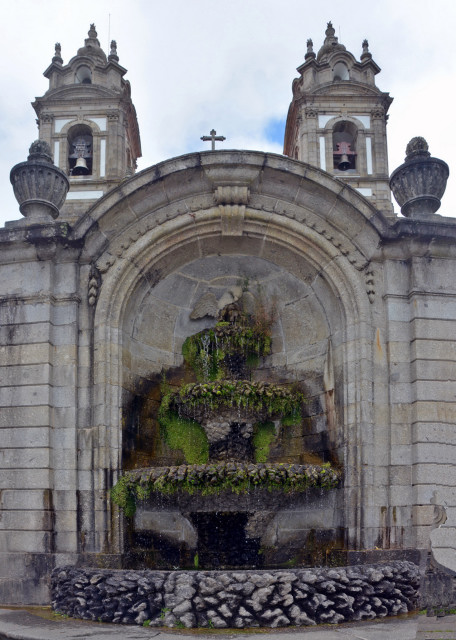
(354, 593)
(380, 292)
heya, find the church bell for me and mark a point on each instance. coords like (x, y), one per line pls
(344, 163)
(80, 168)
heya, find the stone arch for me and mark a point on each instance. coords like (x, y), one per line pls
(317, 233)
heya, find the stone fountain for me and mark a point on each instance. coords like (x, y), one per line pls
(231, 534)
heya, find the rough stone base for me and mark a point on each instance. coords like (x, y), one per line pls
(227, 599)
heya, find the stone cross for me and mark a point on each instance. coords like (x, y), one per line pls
(213, 137)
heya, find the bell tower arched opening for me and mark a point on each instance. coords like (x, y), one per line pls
(344, 136)
(80, 150)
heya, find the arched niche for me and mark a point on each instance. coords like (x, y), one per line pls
(340, 72)
(306, 343)
(83, 75)
(298, 219)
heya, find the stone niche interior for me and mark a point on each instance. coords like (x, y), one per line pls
(307, 348)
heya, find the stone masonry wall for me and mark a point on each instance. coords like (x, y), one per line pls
(222, 599)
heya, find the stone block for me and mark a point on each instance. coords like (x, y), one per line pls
(17, 311)
(34, 458)
(23, 591)
(435, 474)
(66, 521)
(28, 520)
(428, 432)
(64, 417)
(24, 374)
(65, 499)
(25, 478)
(432, 329)
(25, 354)
(64, 355)
(431, 452)
(65, 459)
(24, 279)
(434, 370)
(63, 396)
(398, 310)
(401, 454)
(428, 411)
(64, 335)
(12, 417)
(401, 434)
(399, 352)
(432, 349)
(67, 542)
(25, 500)
(24, 396)
(65, 478)
(26, 437)
(401, 475)
(25, 541)
(440, 307)
(17, 334)
(423, 514)
(443, 391)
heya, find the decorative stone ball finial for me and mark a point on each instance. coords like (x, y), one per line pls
(330, 31)
(366, 53)
(39, 186)
(310, 52)
(40, 150)
(113, 53)
(419, 184)
(417, 147)
(58, 53)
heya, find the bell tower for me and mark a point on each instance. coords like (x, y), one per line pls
(89, 121)
(337, 119)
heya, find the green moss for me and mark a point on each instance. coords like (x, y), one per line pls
(261, 397)
(181, 433)
(123, 493)
(263, 435)
(187, 436)
(208, 479)
(206, 352)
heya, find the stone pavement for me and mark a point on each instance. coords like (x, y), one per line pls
(20, 624)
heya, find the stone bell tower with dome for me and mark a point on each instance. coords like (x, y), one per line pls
(337, 119)
(89, 121)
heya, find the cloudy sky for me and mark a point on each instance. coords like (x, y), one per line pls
(195, 65)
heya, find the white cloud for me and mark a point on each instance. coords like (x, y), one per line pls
(205, 64)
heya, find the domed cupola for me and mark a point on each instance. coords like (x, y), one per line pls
(337, 118)
(92, 47)
(330, 45)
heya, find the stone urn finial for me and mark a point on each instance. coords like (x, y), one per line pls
(419, 184)
(39, 186)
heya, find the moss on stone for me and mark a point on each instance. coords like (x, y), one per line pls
(182, 433)
(263, 435)
(263, 397)
(209, 479)
(206, 352)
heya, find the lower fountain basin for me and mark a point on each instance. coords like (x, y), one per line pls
(236, 599)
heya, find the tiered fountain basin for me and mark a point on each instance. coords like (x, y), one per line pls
(237, 533)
